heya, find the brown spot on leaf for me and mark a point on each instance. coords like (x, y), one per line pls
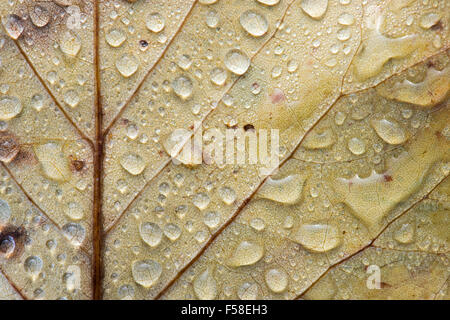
(249, 127)
(387, 178)
(277, 96)
(12, 240)
(77, 165)
(9, 147)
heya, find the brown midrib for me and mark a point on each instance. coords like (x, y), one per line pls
(97, 229)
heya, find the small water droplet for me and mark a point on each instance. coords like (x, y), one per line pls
(70, 43)
(75, 233)
(246, 253)
(277, 280)
(356, 146)
(13, 25)
(314, 8)
(183, 87)
(218, 76)
(74, 211)
(33, 266)
(205, 286)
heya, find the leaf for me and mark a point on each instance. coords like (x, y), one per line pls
(98, 99)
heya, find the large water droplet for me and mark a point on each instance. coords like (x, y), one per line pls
(133, 163)
(75, 233)
(183, 86)
(172, 231)
(314, 8)
(151, 233)
(5, 212)
(248, 291)
(277, 280)
(405, 234)
(254, 23)
(429, 20)
(317, 237)
(269, 2)
(236, 61)
(146, 272)
(115, 37)
(127, 65)
(74, 211)
(246, 253)
(356, 146)
(13, 25)
(9, 107)
(389, 130)
(70, 43)
(205, 286)
(319, 139)
(39, 16)
(218, 76)
(155, 22)
(33, 266)
(227, 195)
(71, 98)
(53, 161)
(286, 190)
(201, 200)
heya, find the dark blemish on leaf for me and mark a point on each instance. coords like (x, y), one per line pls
(12, 240)
(143, 43)
(249, 127)
(387, 178)
(384, 285)
(124, 121)
(77, 165)
(438, 26)
(9, 147)
(277, 96)
(25, 157)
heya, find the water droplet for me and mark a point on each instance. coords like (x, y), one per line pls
(246, 253)
(37, 102)
(115, 37)
(248, 291)
(236, 61)
(155, 22)
(151, 233)
(33, 266)
(212, 19)
(258, 224)
(74, 211)
(125, 292)
(319, 139)
(212, 219)
(254, 23)
(205, 286)
(356, 146)
(317, 237)
(227, 195)
(127, 65)
(346, 19)
(9, 107)
(184, 61)
(5, 212)
(132, 131)
(70, 43)
(146, 272)
(269, 2)
(75, 233)
(314, 8)
(39, 16)
(71, 98)
(201, 200)
(172, 231)
(389, 130)
(13, 25)
(429, 20)
(405, 234)
(53, 161)
(277, 280)
(218, 76)
(286, 190)
(133, 163)
(183, 86)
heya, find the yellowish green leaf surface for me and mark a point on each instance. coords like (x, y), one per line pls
(93, 95)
